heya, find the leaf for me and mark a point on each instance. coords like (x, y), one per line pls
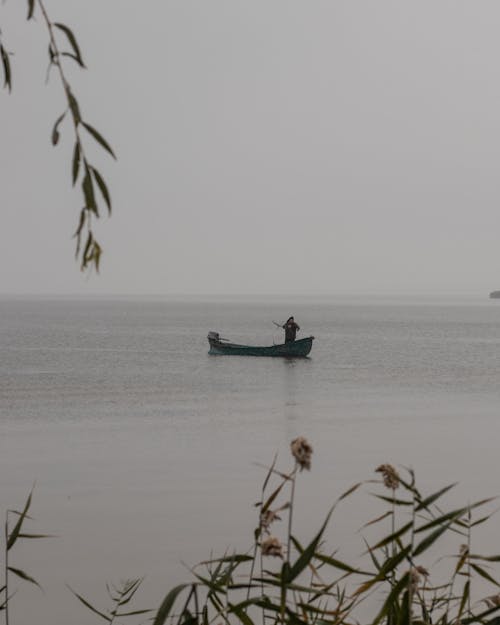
(17, 528)
(454, 514)
(99, 138)
(241, 614)
(88, 192)
(167, 604)
(55, 131)
(272, 497)
(132, 613)
(89, 606)
(7, 80)
(52, 55)
(338, 564)
(461, 562)
(484, 573)
(71, 56)
(72, 40)
(431, 538)
(24, 576)
(392, 597)
(475, 556)
(463, 602)
(378, 519)
(432, 498)
(78, 231)
(393, 500)
(349, 491)
(96, 256)
(36, 535)
(31, 8)
(479, 618)
(76, 162)
(102, 188)
(308, 553)
(372, 555)
(480, 521)
(269, 473)
(130, 590)
(392, 537)
(73, 105)
(236, 558)
(85, 255)
(387, 567)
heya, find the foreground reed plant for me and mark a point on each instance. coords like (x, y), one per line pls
(281, 580)
(417, 565)
(13, 532)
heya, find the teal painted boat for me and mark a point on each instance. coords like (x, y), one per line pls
(223, 347)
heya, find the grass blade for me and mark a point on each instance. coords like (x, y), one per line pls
(24, 576)
(167, 604)
(90, 606)
(17, 528)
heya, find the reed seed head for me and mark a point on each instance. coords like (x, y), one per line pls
(416, 575)
(266, 518)
(272, 547)
(389, 475)
(269, 516)
(302, 452)
(464, 549)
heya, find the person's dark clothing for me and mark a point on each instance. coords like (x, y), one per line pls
(290, 331)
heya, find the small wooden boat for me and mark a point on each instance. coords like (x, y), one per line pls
(222, 347)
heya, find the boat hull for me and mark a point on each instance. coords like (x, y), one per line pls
(296, 349)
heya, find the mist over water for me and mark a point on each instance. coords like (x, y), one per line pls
(144, 447)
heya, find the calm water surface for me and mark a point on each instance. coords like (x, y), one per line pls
(145, 450)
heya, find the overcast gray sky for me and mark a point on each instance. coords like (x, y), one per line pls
(282, 146)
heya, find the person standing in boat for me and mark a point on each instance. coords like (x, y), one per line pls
(290, 328)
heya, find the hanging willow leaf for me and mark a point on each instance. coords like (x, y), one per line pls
(102, 188)
(55, 130)
(31, 8)
(7, 80)
(86, 250)
(88, 192)
(96, 255)
(71, 56)
(72, 40)
(99, 138)
(75, 168)
(75, 109)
